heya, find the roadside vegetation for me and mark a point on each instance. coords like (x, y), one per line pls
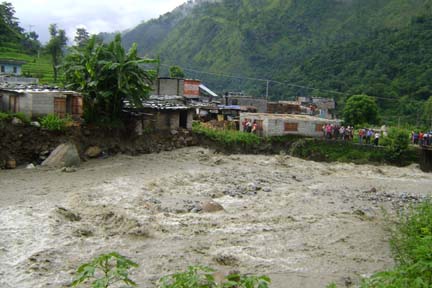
(226, 137)
(395, 148)
(411, 244)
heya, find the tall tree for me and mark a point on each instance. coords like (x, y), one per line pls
(81, 37)
(7, 15)
(108, 77)
(55, 47)
(361, 109)
(176, 72)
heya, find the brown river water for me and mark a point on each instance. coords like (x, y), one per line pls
(303, 223)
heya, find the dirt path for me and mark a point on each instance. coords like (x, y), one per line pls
(303, 223)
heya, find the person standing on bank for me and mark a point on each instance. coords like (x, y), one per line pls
(376, 138)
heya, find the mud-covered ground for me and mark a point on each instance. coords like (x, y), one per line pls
(305, 224)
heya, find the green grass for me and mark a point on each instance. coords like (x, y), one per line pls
(314, 149)
(227, 137)
(411, 244)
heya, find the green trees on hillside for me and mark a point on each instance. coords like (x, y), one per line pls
(108, 77)
(360, 109)
(176, 72)
(12, 34)
(7, 17)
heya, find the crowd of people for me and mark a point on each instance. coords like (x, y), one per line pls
(421, 138)
(365, 135)
(249, 126)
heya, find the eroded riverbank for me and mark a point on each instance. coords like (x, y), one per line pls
(301, 222)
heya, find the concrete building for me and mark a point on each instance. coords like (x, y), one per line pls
(284, 124)
(240, 100)
(11, 67)
(283, 107)
(192, 90)
(39, 102)
(168, 87)
(161, 113)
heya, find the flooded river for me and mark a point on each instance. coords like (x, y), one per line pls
(303, 223)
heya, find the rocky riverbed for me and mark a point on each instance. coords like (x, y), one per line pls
(303, 223)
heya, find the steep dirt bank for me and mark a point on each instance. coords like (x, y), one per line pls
(304, 223)
(28, 144)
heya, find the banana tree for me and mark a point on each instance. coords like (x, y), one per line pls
(108, 76)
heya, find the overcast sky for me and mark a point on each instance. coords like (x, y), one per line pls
(94, 15)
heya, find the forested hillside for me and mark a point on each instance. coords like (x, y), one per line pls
(17, 44)
(377, 47)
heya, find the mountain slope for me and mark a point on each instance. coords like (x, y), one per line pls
(277, 39)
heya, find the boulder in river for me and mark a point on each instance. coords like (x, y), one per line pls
(65, 155)
(93, 152)
(210, 206)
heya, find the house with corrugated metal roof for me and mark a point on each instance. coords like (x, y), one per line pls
(36, 101)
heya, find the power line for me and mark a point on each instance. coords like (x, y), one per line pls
(268, 81)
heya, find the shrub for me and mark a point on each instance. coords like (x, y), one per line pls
(226, 137)
(54, 123)
(397, 146)
(202, 277)
(110, 269)
(105, 270)
(4, 116)
(23, 117)
(411, 244)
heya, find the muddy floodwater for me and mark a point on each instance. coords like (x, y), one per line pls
(303, 223)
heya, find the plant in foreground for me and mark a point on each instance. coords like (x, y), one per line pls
(411, 244)
(106, 270)
(202, 277)
(111, 269)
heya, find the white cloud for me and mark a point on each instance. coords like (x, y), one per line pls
(95, 15)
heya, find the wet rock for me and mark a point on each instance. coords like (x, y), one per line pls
(139, 231)
(204, 157)
(11, 164)
(347, 281)
(359, 212)
(190, 141)
(65, 155)
(226, 260)
(17, 121)
(254, 187)
(210, 207)
(35, 124)
(83, 233)
(217, 161)
(68, 169)
(69, 215)
(195, 210)
(373, 190)
(93, 152)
